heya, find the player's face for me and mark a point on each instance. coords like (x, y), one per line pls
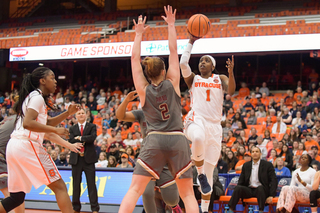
(205, 65)
(50, 82)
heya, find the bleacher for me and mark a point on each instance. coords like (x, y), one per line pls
(118, 27)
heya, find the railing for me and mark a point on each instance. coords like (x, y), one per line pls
(24, 7)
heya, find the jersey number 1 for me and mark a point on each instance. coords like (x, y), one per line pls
(208, 95)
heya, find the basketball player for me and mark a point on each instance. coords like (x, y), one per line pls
(202, 124)
(28, 162)
(5, 131)
(166, 183)
(161, 105)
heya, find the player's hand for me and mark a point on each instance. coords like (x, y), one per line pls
(62, 132)
(131, 96)
(230, 65)
(75, 147)
(73, 108)
(192, 38)
(140, 28)
(170, 17)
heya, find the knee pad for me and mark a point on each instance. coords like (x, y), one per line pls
(13, 201)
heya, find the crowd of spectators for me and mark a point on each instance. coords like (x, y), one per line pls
(282, 125)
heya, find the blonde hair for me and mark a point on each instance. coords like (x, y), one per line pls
(153, 66)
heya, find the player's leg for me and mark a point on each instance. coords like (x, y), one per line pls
(185, 187)
(197, 135)
(19, 209)
(149, 204)
(205, 199)
(137, 187)
(63, 200)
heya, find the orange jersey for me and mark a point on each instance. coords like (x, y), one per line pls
(240, 163)
(243, 92)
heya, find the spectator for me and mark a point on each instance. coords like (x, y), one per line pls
(297, 120)
(280, 169)
(124, 161)
(247, 158)
(113, 151)
(226, 129)
(300, 109)
(117, 92)
(315, 114)
(273, 156)
(129, 140)
(230, 138)
(59, 100)
(231, 161)
(267, 135)
(112, 138)
(289, 99)
(248, 106)
(312, 89)
(102, 161)
(255, 182)
(114, 121)
(112, 161)
(130, 152)
(67, 103)
(240, 152)
(309, 121)
(317, 125)
(299, 92)
(138, 140)
(244, 91)
(314, 103)
(252, 120)
(305, 96)
(303, 126)
(286, 117)
(112, 102)
(89, 116)
(262, 147)
(287, 79)
(286, 156)
(102, 99)
(227, 103)
(279, 127)
(264, 89)
(222, 165)
(105, 120)
(300, 186)
(253, 137)
(54, 156)
(237, 117)
(92, 105)
(79, 98)
(313, 77)
(103, 137)
(261, 113)
(314, 161)
(62, 161)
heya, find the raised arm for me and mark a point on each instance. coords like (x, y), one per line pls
(187, 74)
(121, 113)
(229, 84)
(139, 80)
(173, 73)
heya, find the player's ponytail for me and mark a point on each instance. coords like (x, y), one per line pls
(30, 82)
(153, 66)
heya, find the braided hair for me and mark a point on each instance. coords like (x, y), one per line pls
(30, 82)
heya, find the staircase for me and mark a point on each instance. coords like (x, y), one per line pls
(26, 8)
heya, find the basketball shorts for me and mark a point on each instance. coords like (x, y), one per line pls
(29, 164)
(161, 149)
(213, 136)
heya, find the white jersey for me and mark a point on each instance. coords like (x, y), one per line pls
(36, 102)
(207, 98)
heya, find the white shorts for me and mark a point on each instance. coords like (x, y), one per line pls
(213, 136)
(29, 164)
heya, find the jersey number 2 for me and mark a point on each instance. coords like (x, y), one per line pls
(208, 95)
(164, 110)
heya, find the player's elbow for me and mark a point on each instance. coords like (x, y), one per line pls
(119, 115)
(26, 125)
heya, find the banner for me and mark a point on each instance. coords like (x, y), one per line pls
(111, 187)
(228, 45)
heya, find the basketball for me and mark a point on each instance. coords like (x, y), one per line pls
(198, 25)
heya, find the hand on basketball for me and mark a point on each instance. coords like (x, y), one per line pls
(170, 17)
(75, 147)
(230, 65)
(132, 95)
(73, 108)
(192, 38)
(140, 28)
(62, 132)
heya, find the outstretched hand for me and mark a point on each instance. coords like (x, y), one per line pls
(230, 65)
(170, 17)
(132, 95)
(140, 28)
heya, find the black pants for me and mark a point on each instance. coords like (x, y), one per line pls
(246, 192)
(90, 173)
(314, 195)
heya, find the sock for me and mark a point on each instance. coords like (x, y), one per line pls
(205, 205)
(200, 170)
